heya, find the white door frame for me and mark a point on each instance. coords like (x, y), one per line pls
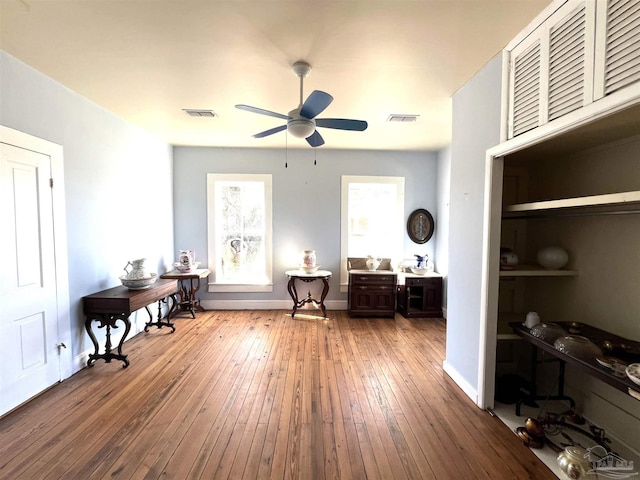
(23, 140)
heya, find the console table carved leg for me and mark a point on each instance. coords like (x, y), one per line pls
(291, 286)
(166, 320)
(109, 321)
(325, 290)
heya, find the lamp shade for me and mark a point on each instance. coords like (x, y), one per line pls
(301, 128)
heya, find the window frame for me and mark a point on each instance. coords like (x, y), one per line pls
(213, 261)
(397, 223)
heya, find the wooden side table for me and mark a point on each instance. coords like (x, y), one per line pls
(189, 286)
(294, 275)
(117, 303)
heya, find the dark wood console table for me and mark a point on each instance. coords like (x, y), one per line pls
(117, 303)
(626, 350)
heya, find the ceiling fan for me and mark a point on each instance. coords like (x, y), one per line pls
(302, 121)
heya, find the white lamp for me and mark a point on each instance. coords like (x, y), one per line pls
(301, 127)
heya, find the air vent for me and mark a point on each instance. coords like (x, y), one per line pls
(200, 113)
(396, 117)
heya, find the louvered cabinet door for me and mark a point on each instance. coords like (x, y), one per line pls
(551, 71)
(571, 56)
(525, 76)
(617, 63)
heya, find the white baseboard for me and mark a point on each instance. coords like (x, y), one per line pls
(264, 304)
(465, 386)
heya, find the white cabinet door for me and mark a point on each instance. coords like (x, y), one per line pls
(617, 63)
(551, 70)
(525, 75)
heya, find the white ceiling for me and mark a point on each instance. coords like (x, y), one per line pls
(146, 60)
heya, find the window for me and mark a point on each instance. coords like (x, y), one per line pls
(239, 232)
(372, 219)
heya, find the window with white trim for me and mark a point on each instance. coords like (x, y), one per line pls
(239, 232)
(372, 220)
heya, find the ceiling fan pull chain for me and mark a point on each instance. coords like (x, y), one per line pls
(315, 156)
(286, 150)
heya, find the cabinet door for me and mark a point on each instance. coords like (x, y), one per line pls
(617, 63)
(551, 71)
(524, 86)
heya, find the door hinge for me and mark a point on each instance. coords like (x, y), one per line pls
(51, 183)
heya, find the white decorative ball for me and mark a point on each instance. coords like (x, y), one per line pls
(553, 258)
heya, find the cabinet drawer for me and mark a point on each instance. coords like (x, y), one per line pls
(373, 288)
(422, 282)
(363, 279)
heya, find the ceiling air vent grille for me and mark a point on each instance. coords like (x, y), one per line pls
(566, 64)
(526, 90)
(398, 117)
(200, 113)
(623, 45)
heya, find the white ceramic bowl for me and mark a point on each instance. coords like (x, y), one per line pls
(552, 258)
(307, 269)
(185, 268)
(139, 283)
(419, 271)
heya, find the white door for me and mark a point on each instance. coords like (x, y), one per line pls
(28, 310)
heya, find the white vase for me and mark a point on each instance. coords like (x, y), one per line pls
(552, 258)
(309, 258)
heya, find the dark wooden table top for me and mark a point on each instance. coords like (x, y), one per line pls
(122, 300)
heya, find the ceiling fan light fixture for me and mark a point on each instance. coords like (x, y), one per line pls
(301, 128)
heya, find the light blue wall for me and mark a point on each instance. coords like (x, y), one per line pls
(306, 201)
(118, 182)
(476, 127)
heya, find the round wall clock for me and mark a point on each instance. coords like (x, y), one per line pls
(420, 226)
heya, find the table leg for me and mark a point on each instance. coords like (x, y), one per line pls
(109, 321)
(534, 380)
(325, 290)
(166, 321)
(188, 296)
(291, 286)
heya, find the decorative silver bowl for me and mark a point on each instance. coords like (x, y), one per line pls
(577, 346)
(138, 283)
(547, 331)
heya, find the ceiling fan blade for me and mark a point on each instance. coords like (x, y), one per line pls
(315, 139)
(262, 111)
(315, 104)
(342, 124)
(271, 131)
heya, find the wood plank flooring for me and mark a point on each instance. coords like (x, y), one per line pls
(259, 395)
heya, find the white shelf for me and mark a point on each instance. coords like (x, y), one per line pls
(621, 201)
(535, 271)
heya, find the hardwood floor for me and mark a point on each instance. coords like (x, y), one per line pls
(259, 395)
